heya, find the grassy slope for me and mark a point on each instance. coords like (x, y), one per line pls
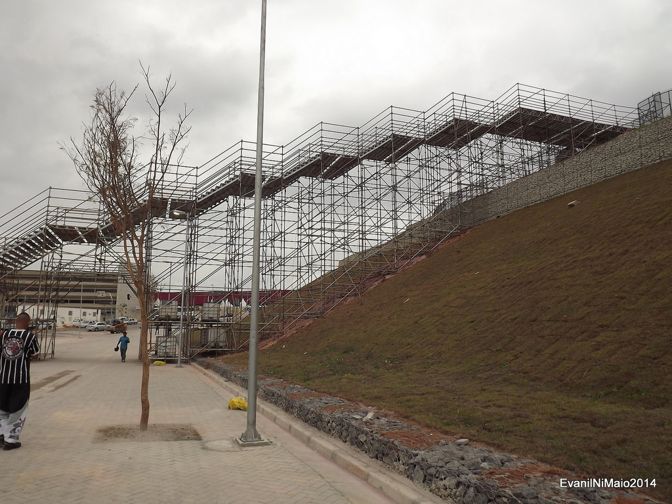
(547, 332)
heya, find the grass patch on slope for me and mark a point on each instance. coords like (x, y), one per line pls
(547, 332)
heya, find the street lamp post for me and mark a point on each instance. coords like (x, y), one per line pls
(181, 214)
(251, 437)
(185, 278)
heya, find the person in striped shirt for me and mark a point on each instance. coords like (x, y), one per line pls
(17, 346)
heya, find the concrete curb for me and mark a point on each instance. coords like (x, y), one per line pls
(393, 486)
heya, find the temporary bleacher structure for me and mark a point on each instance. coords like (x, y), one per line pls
(341, 205)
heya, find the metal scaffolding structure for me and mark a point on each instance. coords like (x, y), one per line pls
(342, 206)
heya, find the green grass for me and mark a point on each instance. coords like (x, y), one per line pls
(547, 332)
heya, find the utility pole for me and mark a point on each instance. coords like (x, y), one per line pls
(251, 437)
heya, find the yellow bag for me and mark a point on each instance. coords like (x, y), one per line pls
(239, 403)
(159, 363)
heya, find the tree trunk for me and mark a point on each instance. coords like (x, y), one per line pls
(144, 357)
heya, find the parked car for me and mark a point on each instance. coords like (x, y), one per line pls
(132, 321)
(116, 326)
(85, 323)
(98, 326)
(43, 324)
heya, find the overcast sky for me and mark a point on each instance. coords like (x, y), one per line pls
(340, 61)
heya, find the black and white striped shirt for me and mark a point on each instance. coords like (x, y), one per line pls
(17, 346)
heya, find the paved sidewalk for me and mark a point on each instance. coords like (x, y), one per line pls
(86, 388)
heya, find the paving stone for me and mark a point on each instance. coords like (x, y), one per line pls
(62, 462)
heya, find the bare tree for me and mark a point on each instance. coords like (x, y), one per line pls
(131, 192)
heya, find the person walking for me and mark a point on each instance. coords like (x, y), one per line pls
(122, 344)
(17, 346)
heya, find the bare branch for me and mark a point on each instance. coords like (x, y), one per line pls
(131, 193)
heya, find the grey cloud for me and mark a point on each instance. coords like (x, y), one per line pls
(338, 61)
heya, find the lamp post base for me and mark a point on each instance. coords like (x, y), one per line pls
(257, 441)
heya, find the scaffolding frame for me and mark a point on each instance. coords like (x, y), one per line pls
(342, 206)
